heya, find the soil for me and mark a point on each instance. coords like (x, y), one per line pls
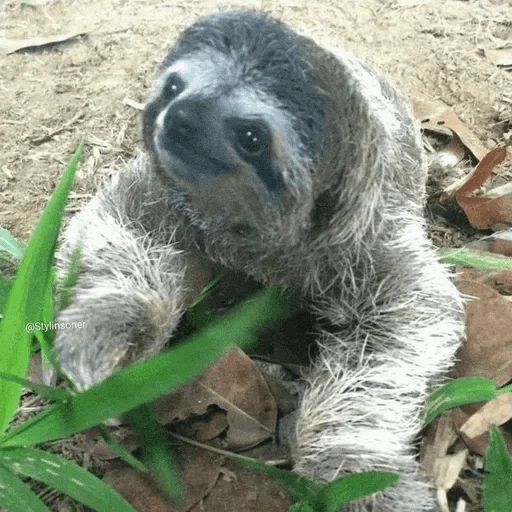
(53, 96)
(94, 84)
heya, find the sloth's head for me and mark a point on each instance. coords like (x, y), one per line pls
(234, 120)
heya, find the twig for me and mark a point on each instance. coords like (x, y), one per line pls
(134, 104)
(52, 133)
(226, 453)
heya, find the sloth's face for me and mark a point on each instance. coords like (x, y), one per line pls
(233, 117)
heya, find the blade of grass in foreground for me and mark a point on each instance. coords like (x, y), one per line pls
(352, 487)
(16, 496)
(497, 490)
(5, 286)
(155, 450)
(26, 298)
(65, 476)
(466, 390)
(467, 258)
(146, 380)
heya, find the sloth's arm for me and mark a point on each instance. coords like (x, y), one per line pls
(131, 289)
(368, 388)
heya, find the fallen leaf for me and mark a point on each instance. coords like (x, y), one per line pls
(492, 210)
(199, 472)
(448, 468)
(235, 385)
(124, 436)
(497, 243)
(501, 57)
(476, 444)
(208, 430)
(479, 175)
(485, 212)
(440, 436)
(487, 350)
(498, 279)
(8, 46)
(248, 491)
(453, 152)
(437, 115)
(495, 412)
(205, 427)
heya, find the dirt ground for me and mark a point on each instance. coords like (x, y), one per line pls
(50, 98)
(93, 84)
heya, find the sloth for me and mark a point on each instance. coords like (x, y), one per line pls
(272, 157)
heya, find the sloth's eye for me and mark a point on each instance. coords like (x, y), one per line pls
(252, 140)
(173, 87)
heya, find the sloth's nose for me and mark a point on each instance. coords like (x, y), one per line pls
(184, 120)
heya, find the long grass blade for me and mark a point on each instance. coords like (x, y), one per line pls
(27, 295)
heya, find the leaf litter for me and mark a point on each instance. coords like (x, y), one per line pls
(454, 439)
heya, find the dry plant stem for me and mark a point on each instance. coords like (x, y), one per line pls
(227, 453)
(56, 131)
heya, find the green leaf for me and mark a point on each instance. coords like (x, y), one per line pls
(467, 258)
(5, 286)
(10, 248)
(466, 390)
(301, 489)
(45, 337)
(65, 476)
(155, 450)
(51, 393)
(27, 295)
(208, 290)
(146, 380)
(199, 316)
(15, 496)
(497, 491)
(352, 487)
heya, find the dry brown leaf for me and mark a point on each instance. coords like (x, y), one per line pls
(124, 436)
(487, 350)
(248, 491)
(455, 149)
(488, 212)
(8, 46)
(198, 468)
(498, 279)
(437, 115)
(492, 210)
(497, 243)
(495, 412)
(501, 57)
(479, 175)
(208, 430)
(440, 435)
(235, 385)
(447, 469)
(476, 444)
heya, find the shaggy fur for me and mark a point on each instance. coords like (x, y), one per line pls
(332, 210)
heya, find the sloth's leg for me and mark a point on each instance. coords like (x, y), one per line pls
(367, 391)
(130, 292)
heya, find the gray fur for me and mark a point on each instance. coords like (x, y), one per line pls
(347, 235)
